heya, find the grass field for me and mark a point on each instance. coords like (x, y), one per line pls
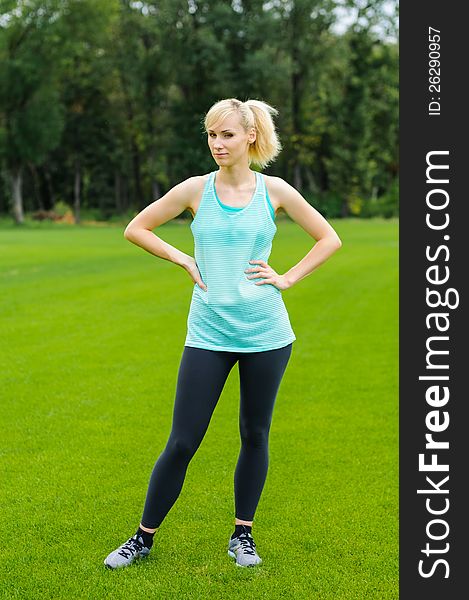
(92, 330)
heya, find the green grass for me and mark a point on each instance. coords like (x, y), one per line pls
(91, 334)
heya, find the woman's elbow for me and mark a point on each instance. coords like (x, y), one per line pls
(334, 241)
(128, 232)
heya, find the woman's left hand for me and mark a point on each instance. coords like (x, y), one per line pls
(262, 269)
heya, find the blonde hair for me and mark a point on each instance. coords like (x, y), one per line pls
(252, 113)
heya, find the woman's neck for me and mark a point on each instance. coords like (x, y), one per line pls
(235, 177)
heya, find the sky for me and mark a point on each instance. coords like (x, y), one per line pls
(346, 16)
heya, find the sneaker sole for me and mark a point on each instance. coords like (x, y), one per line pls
(233, 555)
(123, 566)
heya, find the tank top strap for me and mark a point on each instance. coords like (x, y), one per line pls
(264, 197)
(205, 203)
(261, 184)
(258, 199)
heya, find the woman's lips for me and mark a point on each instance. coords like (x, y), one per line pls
(218, 155)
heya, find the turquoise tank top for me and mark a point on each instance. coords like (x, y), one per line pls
(234, 314)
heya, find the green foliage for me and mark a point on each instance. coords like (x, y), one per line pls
(61, 208)
(31, 115)
(329, 204)
(386, 206)
(112, 94)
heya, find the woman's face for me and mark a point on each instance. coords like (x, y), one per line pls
(228, 142)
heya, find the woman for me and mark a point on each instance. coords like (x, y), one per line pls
(236, 314)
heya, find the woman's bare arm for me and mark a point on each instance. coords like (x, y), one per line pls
(298, 209)
(173, 203)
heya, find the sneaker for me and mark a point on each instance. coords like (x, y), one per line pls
(243, 548)
(126, 554)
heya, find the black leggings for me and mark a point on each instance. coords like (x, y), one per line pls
(201, 378)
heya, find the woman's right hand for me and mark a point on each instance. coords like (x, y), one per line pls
(193, 270)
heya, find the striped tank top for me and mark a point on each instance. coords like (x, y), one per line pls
(234, 314)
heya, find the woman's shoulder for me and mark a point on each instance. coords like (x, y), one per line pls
(276, 188)
(195, 186)
(203, 177)
(275, 182)
(197, 181)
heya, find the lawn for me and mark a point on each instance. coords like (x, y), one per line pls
(91, 334)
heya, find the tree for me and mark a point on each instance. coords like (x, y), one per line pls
(31, 113)
(83, 28)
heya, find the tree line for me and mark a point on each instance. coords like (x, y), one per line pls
(102, 101)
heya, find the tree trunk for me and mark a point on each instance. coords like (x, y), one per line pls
(76, 192)
(155, 189)
(36, 186)
(50, 189)
(344, 211)
(125, 194)
(295, 95)
(17, 184)
(138, 191)
(150, 97)
(118, 192)
(135, 153)
(312, 185)
(297, 179)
